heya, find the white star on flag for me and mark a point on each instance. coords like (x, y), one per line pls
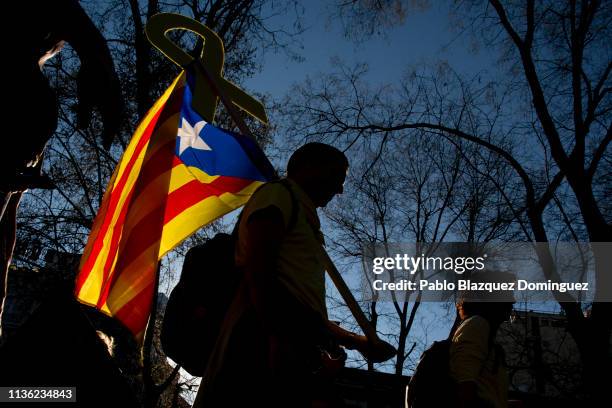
(190, 136)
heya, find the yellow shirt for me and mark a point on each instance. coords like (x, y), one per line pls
(471, 360)
(298, 268)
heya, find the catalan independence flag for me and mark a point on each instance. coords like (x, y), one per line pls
(177, 174)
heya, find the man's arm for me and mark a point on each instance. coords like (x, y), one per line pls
(265, 230)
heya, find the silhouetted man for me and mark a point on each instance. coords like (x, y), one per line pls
(283, 350)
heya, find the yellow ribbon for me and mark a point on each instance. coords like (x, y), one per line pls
(205, 99)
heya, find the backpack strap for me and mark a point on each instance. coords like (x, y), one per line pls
(295, 205)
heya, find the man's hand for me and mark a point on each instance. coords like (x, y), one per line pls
(375, 351)
(378, 351)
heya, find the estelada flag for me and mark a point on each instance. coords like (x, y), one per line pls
(178, 174)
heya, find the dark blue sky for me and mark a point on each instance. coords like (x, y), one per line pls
(424, 37)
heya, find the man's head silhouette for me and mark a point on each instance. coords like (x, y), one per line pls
(320, 170)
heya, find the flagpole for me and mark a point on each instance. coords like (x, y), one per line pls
(147, 365)
(244, 129)
(332, 271)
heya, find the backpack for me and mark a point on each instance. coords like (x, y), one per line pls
(431, 385)
(197, 305)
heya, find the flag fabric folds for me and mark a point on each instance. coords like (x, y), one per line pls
(178, 174)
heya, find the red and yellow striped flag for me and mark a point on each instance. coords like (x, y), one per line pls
(177, 174)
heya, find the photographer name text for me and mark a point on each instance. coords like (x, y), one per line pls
(468, 285)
